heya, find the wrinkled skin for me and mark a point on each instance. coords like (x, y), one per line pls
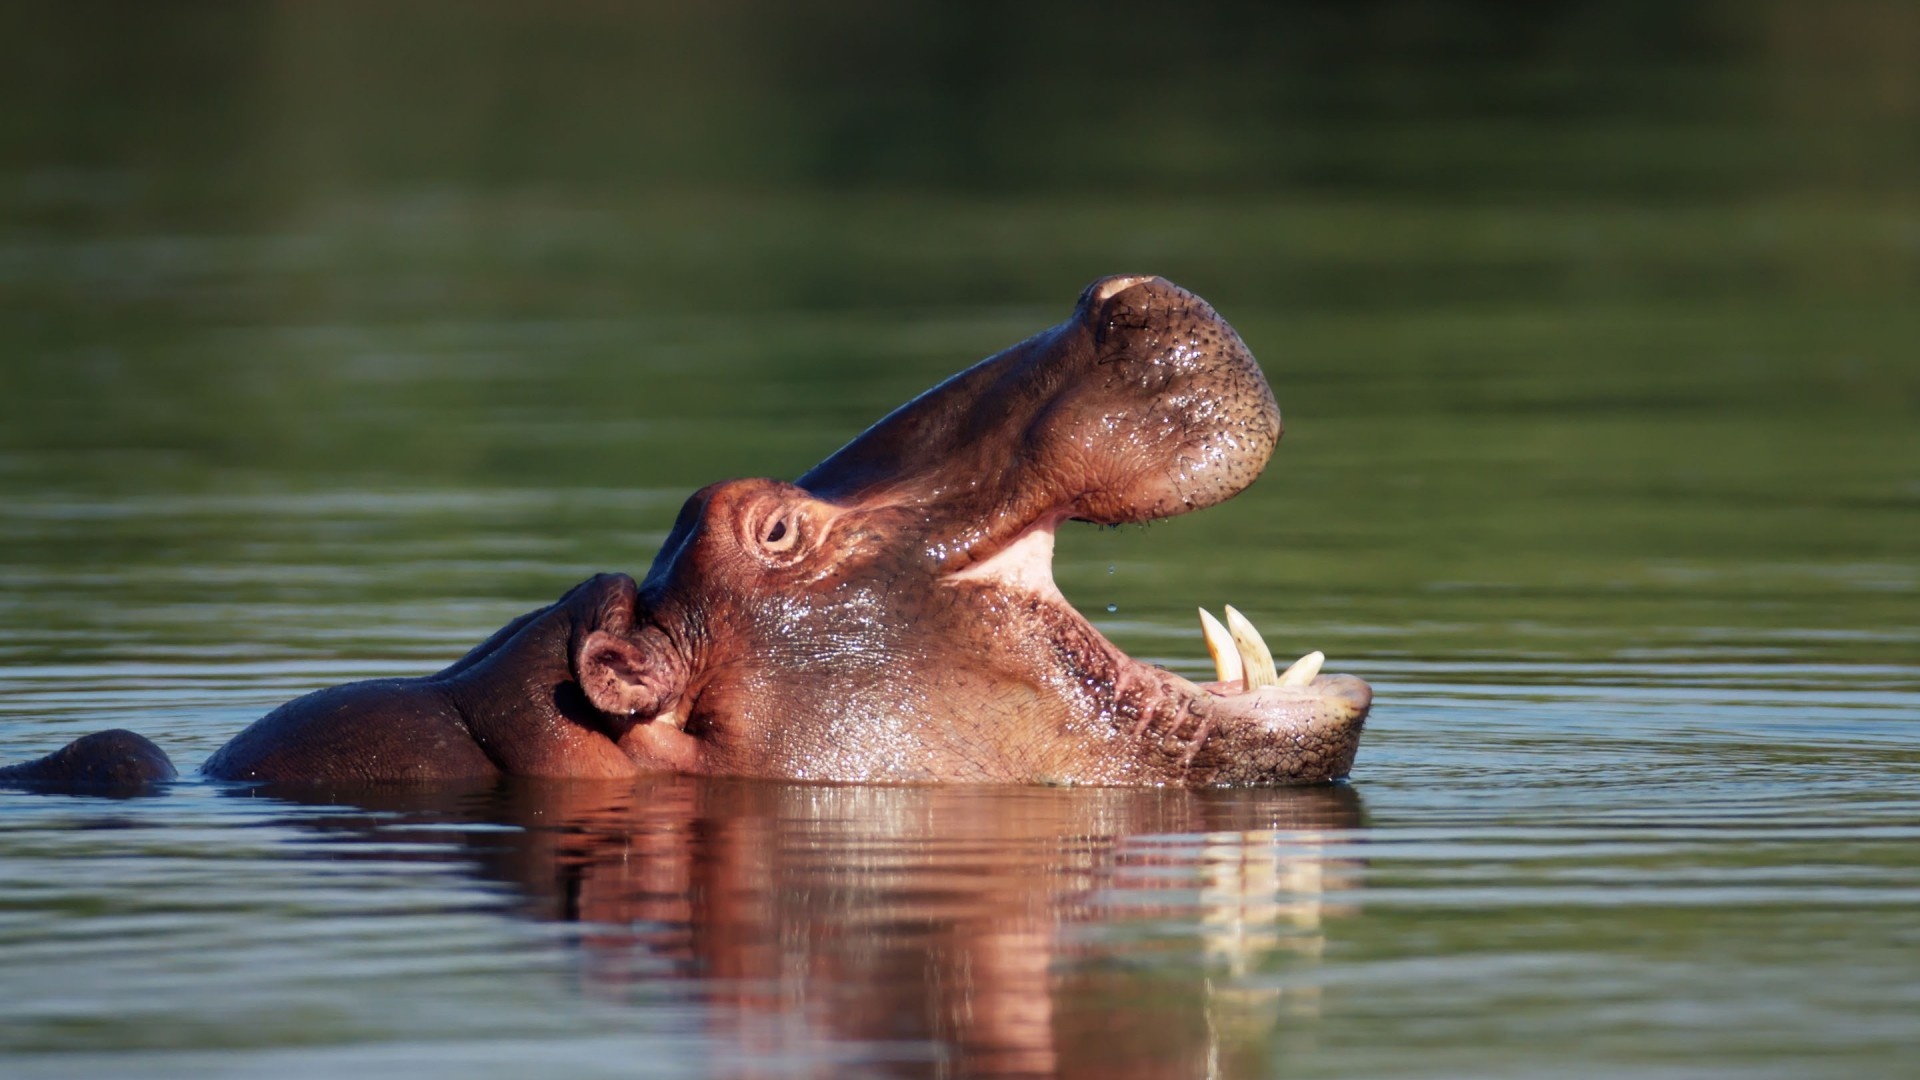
(892, 615)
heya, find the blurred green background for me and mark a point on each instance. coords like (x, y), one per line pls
(1594, 323)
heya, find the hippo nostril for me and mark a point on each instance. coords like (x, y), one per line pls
(1094, 300)
(1129, 301)
(1107, 288)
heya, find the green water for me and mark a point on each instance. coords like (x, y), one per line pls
(332, 338)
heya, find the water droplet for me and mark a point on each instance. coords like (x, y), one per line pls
(1112, 608)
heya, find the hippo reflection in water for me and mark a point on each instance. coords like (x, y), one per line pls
(891, 616)
(870, 930)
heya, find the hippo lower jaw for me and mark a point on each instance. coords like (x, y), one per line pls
(1253, 724)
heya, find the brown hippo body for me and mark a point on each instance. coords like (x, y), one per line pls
(892, 615)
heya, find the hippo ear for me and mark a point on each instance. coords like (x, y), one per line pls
(636, 675)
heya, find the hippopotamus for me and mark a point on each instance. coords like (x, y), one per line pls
(890, 616)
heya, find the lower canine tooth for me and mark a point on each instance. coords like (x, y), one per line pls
(1302, 671)
(1226, 659)
(1254, 653)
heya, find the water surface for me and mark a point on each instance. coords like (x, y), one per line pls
(331, 340)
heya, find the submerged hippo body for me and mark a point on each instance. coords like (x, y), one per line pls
(892, 615)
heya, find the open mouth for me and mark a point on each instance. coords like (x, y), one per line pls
(1253, 723)
(1144, 404)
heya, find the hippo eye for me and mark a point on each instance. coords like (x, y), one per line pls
(779, 531)
(779, 536)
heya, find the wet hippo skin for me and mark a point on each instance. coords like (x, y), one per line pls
(891, 615)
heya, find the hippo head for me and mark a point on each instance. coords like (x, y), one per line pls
(892, 616)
